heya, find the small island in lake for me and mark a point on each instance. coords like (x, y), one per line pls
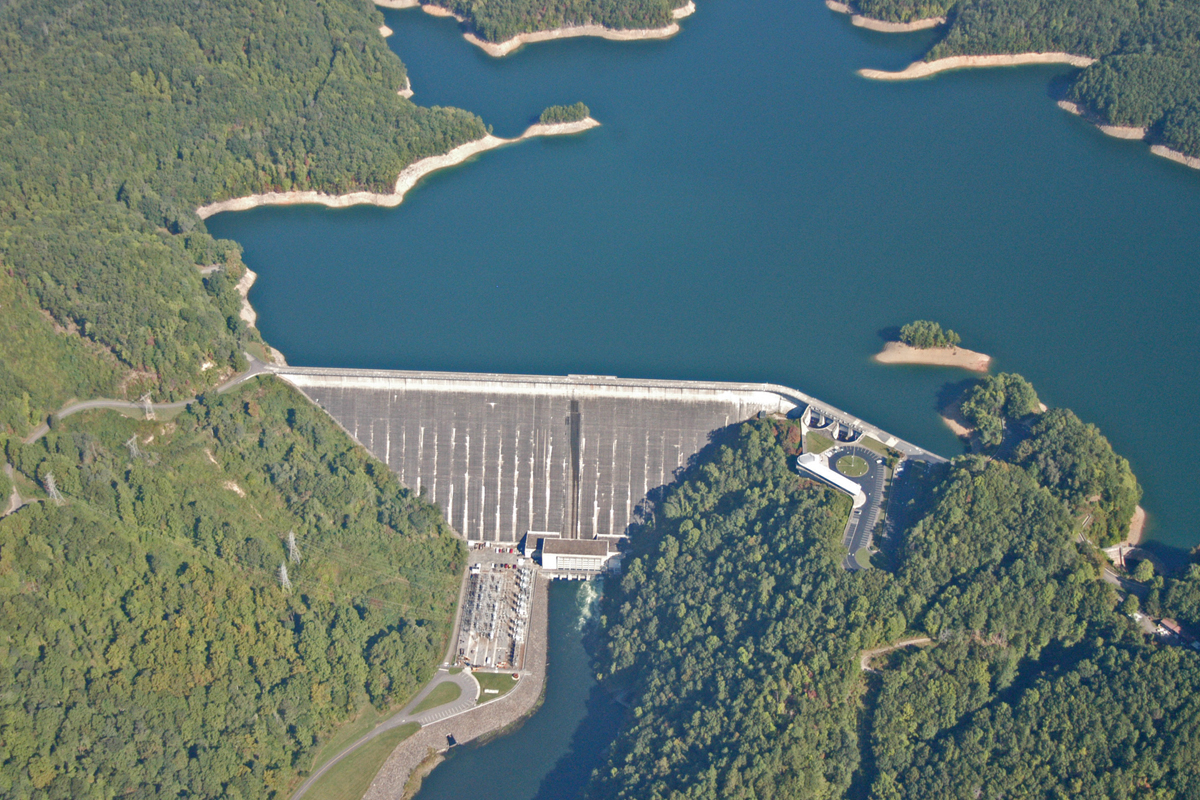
(925, 342)
(554, 115)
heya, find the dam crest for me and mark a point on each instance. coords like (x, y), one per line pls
(502, 455)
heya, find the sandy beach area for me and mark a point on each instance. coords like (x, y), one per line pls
(408, 177)
(247, 312)
(871, 24)
(922, 69)
(397, 3)
(900, 353)
(407, 91)
(1175, 155)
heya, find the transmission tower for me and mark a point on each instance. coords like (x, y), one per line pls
(283, 577)
(146, 406)
(52, 488)
(293, 549)
(134, 452)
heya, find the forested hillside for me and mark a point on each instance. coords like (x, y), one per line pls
(497, 20)
(147, 648)
(737, 637)
(1148, 72)
(117, 119)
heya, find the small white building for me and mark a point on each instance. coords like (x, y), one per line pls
(812, 464)
(575, 555)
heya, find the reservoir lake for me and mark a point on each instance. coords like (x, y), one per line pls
(752, 210)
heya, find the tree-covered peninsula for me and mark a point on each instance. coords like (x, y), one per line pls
(117, 119)
(1146, 72)
(755, 666)
(498, 20)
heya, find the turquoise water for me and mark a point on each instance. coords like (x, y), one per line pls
(752, 210)
(553, 753)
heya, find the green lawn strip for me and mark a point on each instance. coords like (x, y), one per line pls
(455, 670)
(501, 682)
(874, 445)
(444, 692)
(350, 732)
(852, 466)
(350, 778)
(817, 442)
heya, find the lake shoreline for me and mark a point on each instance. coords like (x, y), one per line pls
(405, 181)
(901, 353)
(883, 26)
(924, 69)
(501, 49)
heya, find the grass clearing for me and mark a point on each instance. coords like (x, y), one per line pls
(852, 466)
(863, 557)
(815, 442)
(444, 692)
(352, 731)
(874, 445)
(350, 778)
(499, 682)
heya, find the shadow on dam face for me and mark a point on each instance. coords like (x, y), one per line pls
(504, 455)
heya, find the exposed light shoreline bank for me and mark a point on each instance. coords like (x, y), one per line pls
(1131, 133)
(407, 179)
(900, 353)
(500, 49)
(1175, 155)
(923, 69)
(1116, 131)
(883, 26)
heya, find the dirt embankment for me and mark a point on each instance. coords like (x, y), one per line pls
(900, 353)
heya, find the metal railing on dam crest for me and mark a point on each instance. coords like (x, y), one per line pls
(502, 455)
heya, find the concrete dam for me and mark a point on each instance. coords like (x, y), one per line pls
(502, 455)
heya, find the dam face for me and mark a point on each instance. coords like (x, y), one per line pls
(504, 455)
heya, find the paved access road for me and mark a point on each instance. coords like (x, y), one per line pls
(465, 702)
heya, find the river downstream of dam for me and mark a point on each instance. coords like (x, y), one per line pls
(751, 210)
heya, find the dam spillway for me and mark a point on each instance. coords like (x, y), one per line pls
(502, 455)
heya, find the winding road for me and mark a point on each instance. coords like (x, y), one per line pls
(256, 368)
(465, 702)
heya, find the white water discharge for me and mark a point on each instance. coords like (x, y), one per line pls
(586, 600)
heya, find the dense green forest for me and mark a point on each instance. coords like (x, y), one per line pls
(556, 114)
(924, 333)
(497, 20)
(117, 120)
(147, 648)
(736, 636)
(997, 401)
(1148, 69)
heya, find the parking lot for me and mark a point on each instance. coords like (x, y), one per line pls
(861, 525)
